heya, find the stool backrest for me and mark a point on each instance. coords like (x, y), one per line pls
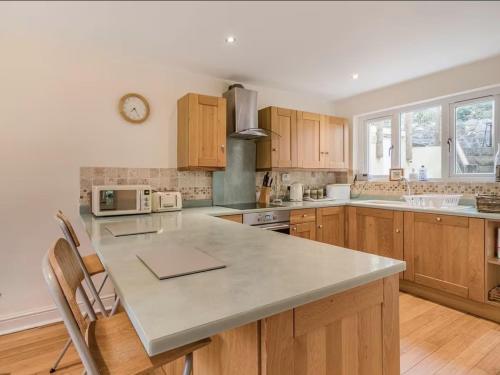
(71, 231)
(64, 276)
(69, 275)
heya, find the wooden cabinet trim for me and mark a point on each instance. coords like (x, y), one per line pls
(235, 218)
(445, 286)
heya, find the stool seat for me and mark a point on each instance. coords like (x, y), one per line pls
(117, 349)
(93, 264)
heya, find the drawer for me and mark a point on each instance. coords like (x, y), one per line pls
(303, 216)
(455, 221)
(235, 218)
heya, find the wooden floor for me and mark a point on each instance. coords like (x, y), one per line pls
(434, 340)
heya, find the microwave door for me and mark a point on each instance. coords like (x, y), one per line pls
(119, 200)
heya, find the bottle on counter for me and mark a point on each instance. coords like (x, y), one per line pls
(422, 173)
(413, 176)
(497, 164)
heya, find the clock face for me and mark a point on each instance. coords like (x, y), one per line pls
(134, 108)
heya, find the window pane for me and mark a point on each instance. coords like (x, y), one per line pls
(474, 147)
(379, 143)
(421, 141)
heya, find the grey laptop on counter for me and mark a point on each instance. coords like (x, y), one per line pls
(174, 262)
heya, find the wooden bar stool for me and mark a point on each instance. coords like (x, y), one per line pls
(108, 345)
(90, 265)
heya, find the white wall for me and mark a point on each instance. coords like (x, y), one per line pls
(58, 112)
(461, 78)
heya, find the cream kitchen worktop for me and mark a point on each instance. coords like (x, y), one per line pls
(266, 273)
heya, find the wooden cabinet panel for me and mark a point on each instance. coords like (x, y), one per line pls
(304, 230)
(280, 149)
(308, 139)
(376, 231)
(334, 137)
(235, 218)
(446, 252)
(355, 332)
(201, 139)
(330, 223)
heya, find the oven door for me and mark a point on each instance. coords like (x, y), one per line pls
(118, 201)
(283, 227)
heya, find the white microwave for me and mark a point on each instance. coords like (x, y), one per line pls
(109, 200)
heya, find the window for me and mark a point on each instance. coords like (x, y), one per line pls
(379, 146)
(455, 137)
(474, 150)
(421, 141)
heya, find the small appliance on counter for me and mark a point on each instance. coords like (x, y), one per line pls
(296, 192)
(338, 191)
(167, 201)
(110, 200)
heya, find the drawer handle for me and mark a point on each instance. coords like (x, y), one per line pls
(294, 228)
(320, 226)
(438, 219)
(274, 149)
(304, 215)
(398, 231)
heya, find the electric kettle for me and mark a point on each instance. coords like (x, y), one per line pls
(296, 192)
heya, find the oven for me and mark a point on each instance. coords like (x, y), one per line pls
(277, 221)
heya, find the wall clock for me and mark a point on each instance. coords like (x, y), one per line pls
(134, 108)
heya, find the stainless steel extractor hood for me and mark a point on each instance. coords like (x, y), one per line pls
(242, 121)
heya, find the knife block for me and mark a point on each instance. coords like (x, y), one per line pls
(265, 195)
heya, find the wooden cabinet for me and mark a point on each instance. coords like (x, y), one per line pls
(330, 225)
(376, 231)
(446, 253)
(280, 149)
(303, 223)
(308, 140)
(201, 132)
(334, 148)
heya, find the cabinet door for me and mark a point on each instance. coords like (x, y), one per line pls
(446, 253)
(308, 139)
(207, 138)
(304, 230)
(284, 146)
(376, 231)
(330, 225)
(334, 143)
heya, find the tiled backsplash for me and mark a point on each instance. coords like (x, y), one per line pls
(308, 178)
(192, 185)
(468, 189)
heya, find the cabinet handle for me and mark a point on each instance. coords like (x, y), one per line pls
(274, 149)
(397, 231)
(222, 147)
(294, 228)
(438, 219)
(320, 226)
(304, 215)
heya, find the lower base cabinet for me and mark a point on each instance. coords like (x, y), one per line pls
(330, 225)
(446, 253)
(355, 332)
(304, 230)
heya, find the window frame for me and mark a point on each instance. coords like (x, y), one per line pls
(447, 104)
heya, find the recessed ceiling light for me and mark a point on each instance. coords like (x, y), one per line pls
(230, 39)
(355, 75)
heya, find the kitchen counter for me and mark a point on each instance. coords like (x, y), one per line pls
(267, 273)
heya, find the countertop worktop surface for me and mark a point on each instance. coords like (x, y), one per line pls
(266, 273)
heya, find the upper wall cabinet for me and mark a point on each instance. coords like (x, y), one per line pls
(309, 139)
(280, 149)
(302, 140)
(334, 137)
(201, 132)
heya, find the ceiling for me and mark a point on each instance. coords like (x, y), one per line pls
(310, 47)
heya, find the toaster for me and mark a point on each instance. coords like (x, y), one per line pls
(166, 201)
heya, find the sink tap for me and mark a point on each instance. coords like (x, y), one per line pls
(407, 183)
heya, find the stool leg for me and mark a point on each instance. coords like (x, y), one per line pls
(188, 364)
(60, 357)
(115, 306)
